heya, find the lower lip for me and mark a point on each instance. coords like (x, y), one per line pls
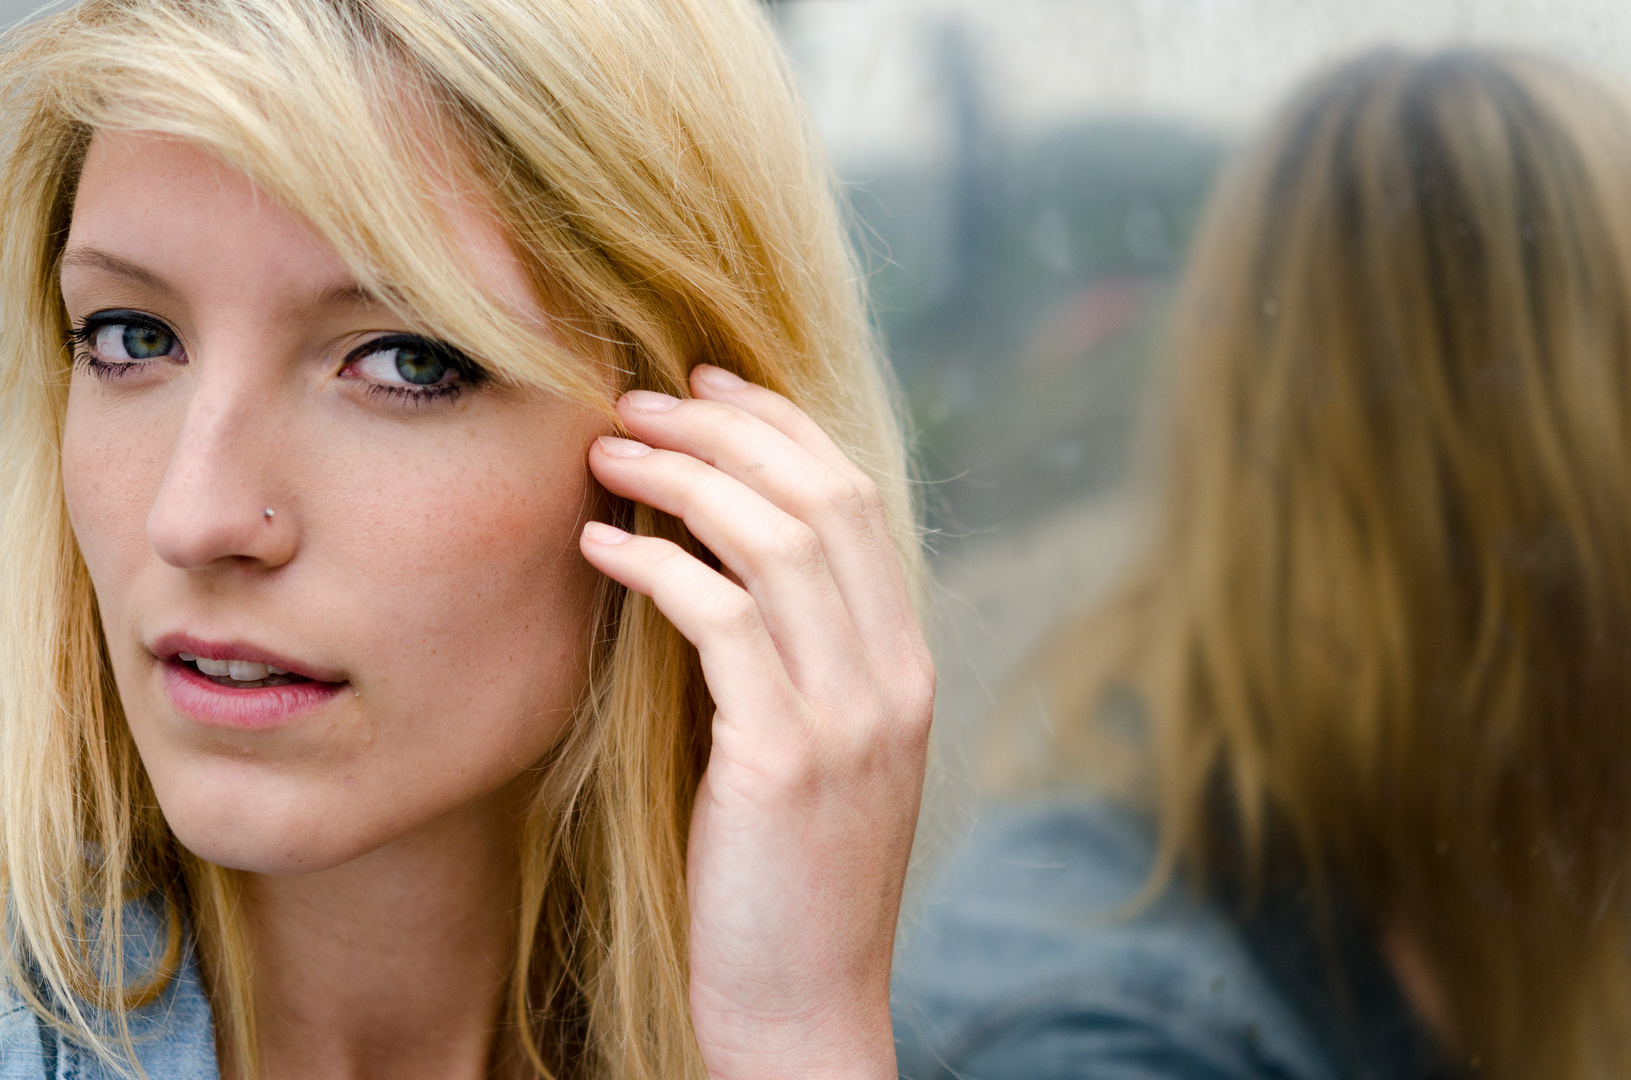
(208, 702)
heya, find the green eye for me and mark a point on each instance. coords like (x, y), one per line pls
(117, 337)
(419, 365)
(144, 342)
(412, 365)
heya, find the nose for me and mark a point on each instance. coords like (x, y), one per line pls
(221, 479)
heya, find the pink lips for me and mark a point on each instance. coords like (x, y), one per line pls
(206, 701)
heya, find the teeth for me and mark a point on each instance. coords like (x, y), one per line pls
(236, 670)
(245, 671)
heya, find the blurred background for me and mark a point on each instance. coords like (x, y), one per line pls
(1025, 176)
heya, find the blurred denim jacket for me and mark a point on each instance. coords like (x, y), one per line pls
(1025, 964)
(173, 1035)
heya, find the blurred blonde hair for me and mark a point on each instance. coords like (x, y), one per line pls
(655, 173)
(1383, 627)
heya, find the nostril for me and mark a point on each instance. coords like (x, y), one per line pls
(194, 525)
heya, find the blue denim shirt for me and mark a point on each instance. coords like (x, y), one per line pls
(1021, 967)
(173, 1036)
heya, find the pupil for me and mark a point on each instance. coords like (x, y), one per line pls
(419, 365)
(146, 342)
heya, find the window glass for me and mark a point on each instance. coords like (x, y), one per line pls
(1026, 176)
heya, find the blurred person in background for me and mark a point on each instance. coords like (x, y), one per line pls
(1353, 732)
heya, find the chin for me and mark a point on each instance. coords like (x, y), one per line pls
(271, 831)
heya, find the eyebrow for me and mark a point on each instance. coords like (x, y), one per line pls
(97, 259)
(348, 294)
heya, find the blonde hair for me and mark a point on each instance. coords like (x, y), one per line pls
(656, 175)
(1383, 628)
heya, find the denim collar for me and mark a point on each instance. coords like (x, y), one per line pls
(173, 1035)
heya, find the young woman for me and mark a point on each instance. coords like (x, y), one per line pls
(454, 547)
(1379, 643)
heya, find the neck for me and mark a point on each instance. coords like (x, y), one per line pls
(394, 964)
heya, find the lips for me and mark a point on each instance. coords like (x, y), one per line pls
(207, 656)
(236, 684)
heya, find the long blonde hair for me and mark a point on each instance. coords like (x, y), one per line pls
(1384, 623)
(656, 175)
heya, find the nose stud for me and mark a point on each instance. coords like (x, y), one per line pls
(267, 513)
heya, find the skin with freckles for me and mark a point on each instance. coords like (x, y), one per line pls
(422, 553)
(428, 579)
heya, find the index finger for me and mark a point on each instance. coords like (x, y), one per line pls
(718, 384)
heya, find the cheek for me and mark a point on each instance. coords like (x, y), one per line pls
(110, 473)
(480, 600)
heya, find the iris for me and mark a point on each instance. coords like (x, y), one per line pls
(146, 342)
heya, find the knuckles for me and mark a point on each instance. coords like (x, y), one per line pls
(888, 721)
(852, 496)
(798, 546)
(789, 543)
(736, 613)
(874, 732)
(915, 697)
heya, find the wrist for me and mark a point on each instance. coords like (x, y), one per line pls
(788, 1048)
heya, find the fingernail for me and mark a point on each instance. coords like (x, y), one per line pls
(650, 401)
(623, 447)
(599, 532)
(718, 377)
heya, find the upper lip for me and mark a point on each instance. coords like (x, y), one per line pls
(170, 646)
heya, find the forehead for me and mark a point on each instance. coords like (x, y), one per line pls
(163, 214)
(158, 203)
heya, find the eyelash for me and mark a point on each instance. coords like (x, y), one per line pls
(470, 373)
(414, 396)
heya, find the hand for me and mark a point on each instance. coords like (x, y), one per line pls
(824, 691)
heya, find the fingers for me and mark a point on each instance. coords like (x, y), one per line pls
(744, 433)
(778, 558)
(712, 383)
(744, 671)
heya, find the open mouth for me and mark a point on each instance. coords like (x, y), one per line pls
(239, 674)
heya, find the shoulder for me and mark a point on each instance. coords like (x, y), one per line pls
(22, 1047)
(173, 1036)
(1027, 962)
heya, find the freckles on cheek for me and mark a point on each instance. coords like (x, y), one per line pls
(527, 525)
(108, 477)
(477, 599)
(480, 538)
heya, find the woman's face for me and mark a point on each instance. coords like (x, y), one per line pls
(265, 470)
